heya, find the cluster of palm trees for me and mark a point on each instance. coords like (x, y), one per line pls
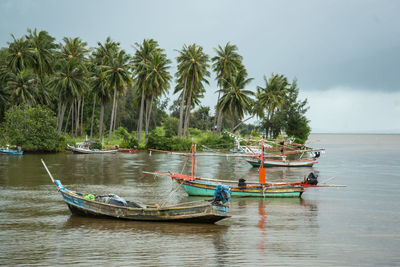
(36, 70)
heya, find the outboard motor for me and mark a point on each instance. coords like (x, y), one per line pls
(242, 182)
(221, 194)
(312, 179)
(317, 154)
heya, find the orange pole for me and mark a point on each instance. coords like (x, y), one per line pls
(261, 170)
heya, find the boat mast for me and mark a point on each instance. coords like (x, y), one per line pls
(193, 159)
(261, 170)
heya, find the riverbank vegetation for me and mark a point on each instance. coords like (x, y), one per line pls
(52, 93)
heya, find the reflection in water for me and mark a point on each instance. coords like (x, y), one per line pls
(328, 226)
(262, 225)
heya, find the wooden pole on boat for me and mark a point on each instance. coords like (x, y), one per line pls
(51, 176)
(193, 159)
(261, 170)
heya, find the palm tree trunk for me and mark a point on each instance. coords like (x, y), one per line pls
(101, 118)
(219, 122)
(72, 118)
(188, 106)
(148, 117)
(78, 109)
(139, 133)
(58, 116)
(91, 123)
(241, 122)
(112, 113)
(181, 110)
(61, 119)
(115, 116)
(216, 110)
(66, 124)
(83, 104)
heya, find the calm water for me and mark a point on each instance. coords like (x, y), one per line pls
(358, 225)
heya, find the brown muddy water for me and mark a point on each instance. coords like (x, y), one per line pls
(358, 225)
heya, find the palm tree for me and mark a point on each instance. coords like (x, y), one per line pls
(69, 81)
(236, 99)
(22, 87)
(43, 47)
(74, 49)
(226, 63)
(272, 96)
(192, 72)
(144, 53)
(158, 79)
(117, 72)
(19, 54)
(101, 87)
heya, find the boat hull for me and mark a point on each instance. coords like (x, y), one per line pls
(197, 188)
(200, 213)
(282, 163)
(89, 151)
(7, 151)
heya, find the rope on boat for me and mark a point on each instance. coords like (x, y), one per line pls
(170, 195)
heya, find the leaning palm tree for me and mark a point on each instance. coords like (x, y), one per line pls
(236, 99)
(117, 72)
(158, 79)
(272, 96)
(192, 72)
(144, 53)
(225, 64)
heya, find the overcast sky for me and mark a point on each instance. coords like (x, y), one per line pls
(344, 54)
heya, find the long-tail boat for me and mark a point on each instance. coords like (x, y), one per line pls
(112, 206)
(197, 186)
(279, 159)
(85, 150)
(283, 162)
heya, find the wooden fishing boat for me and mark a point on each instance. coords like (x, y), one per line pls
(112, 206)
(9, 151)
(197, 186)
(82, 150)
(306, 162)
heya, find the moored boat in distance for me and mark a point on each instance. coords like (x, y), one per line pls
(306, 162)
(84, 148)
(9, 151)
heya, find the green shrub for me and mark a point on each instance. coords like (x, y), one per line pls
(171, 127)
(214, 141)
(33, 129)
(129, 142)
(157, 140)
(122, 132)
(195, 132)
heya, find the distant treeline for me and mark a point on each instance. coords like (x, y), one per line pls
(93, 91)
